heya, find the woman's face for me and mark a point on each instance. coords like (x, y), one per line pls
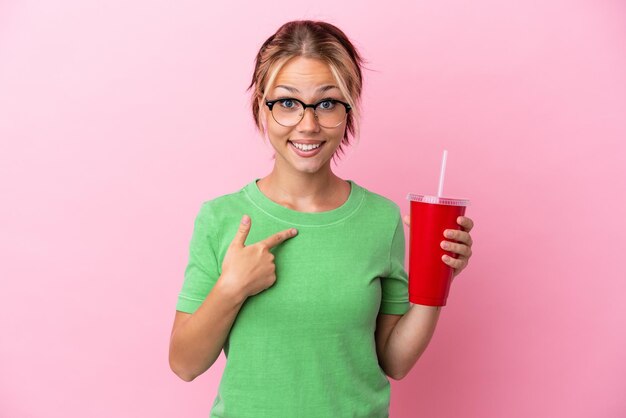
(308, 80)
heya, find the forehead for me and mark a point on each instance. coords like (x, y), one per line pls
(305, 74)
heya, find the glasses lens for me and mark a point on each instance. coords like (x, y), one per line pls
(330, 114)
(287, 112)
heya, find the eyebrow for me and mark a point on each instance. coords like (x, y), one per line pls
(321, 89)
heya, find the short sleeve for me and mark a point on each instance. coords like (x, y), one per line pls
(202, 269)
(395, 286)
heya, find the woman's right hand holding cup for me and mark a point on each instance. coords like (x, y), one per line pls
(250, 269)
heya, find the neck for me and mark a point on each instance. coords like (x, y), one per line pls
(301, 189)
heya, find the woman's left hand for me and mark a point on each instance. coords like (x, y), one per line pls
(463, 248)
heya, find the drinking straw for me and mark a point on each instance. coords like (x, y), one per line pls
(442, 173)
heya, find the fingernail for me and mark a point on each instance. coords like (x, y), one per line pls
(245, 220)
(294, 231)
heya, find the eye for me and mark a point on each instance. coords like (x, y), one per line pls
(289, 104)
(326, 104)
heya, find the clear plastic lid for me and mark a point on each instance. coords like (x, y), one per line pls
(437, 200)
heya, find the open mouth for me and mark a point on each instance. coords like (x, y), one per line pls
(305, 152)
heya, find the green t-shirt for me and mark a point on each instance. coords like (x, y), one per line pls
(305, 346)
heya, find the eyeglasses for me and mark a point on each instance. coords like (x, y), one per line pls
(329, 113)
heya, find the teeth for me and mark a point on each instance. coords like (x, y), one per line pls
(306, 147)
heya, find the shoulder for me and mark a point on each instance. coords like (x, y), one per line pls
(218, 203)
(381, 205)
(223, 204)
(213, 213)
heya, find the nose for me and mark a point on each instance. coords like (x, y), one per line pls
(309, 121)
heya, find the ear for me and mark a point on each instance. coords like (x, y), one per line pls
(262, 109)
(264, 113)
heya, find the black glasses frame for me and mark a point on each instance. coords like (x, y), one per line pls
(270, 104)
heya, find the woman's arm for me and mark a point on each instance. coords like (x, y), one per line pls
(412, 333)
(196, 341)
(408, 340)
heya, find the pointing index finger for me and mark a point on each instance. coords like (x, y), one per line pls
(279, 237)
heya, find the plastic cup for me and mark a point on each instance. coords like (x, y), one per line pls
(429, 275)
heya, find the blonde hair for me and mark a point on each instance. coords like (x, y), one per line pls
(310, 39)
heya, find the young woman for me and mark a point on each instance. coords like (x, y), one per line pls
(299, 276)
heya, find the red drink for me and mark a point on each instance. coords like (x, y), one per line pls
(429, 275)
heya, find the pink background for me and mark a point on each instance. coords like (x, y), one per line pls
(118, 119)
